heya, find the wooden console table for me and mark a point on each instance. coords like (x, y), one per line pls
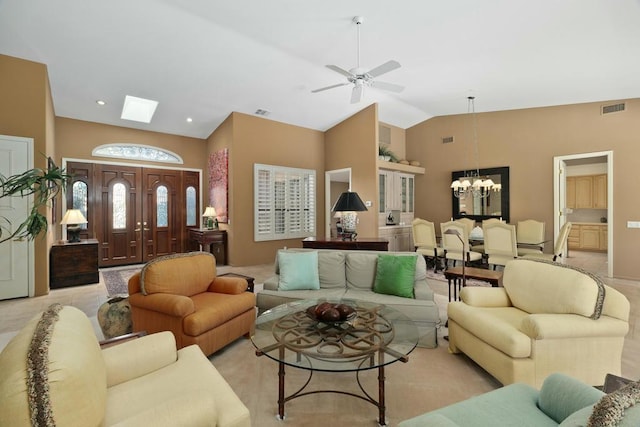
(214, 241)
(361, 243)
(74, 264)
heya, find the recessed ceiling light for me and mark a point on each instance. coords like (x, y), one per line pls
(189, 119)
(100, 102)
(138, 109)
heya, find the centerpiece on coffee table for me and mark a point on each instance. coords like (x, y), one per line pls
(328, 312)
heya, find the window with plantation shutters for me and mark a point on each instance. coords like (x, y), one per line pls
(284, 202)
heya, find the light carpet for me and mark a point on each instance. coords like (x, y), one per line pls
(116, 280)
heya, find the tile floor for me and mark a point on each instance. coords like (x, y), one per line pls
(15, 313)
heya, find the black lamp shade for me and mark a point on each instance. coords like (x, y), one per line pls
(349, 201)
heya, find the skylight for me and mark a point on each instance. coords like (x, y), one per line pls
(138, 109)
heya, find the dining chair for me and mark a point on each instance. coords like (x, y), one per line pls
(530, 234)
(424, 239)
(468, 223)
(480, 246)
(558, 247)
(457, 248)
(500, 243)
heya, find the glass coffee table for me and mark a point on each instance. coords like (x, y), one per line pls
(375, 336)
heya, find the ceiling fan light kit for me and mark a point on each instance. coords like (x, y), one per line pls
(360, 77)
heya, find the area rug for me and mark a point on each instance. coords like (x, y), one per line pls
(116, 280)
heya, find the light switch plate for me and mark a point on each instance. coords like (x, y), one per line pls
(368, 203)
(633, 224)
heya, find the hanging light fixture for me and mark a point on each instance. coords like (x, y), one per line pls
(472, 182)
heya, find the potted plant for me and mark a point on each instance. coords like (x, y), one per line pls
(386, 154)
(44, 185)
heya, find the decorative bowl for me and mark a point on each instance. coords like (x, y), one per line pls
(332, 313)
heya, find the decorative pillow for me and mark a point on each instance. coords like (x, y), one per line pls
(395, 275)
(609, 410)
(298, 270)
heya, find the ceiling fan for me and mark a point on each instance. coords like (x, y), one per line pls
(361, 78)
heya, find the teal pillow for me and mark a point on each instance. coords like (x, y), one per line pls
(395, 275)
(298, 270)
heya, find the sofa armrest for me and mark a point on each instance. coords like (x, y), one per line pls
(170, 304)
(561, 396)
(228, 285)
(541, 326)
(485, 297)
(422, 290)
(138, 357)
(429, 419)
(271, 284)
(193, 409)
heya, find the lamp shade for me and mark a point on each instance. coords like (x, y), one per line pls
(349, 201)
(73, 216)
(210, 212)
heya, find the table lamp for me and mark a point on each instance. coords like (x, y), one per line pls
(210, 214)
(73, 218)
(349, 203)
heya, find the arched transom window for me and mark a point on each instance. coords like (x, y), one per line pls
(140, 152)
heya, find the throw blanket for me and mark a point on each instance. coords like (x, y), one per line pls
(38, 369)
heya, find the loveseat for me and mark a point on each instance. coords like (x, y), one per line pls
(336, 274)
(562, 401)
(54, 372)
(181, 293)
(547, 318)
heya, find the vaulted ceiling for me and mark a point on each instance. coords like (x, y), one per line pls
(204, 59)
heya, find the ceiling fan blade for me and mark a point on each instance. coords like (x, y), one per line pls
(329, 87)
(356, 94)
(384, 68)
(340, 70)
(387, 86)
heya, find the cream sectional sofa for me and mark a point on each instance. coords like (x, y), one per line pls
(547, 318)
(351, 275)
(140, 382)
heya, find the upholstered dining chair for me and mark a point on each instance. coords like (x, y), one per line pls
(480, 246)
(500, 243)
(455, 249)
(530, 233)
(558, 247)
(468, 224)
(424, 239)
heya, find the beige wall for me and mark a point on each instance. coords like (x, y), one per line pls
(398, 144)
(26, 110)
(353, 144)
(527, 141)
(257, 140)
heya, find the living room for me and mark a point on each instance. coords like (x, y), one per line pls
(524, 138)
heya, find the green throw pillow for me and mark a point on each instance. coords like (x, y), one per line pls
(298, 270)
(395, 275)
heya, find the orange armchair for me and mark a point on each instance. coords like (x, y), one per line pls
(182, 294)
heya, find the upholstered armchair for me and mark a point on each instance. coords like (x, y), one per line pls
(181, 293)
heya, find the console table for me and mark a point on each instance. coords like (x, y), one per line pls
(214, 241)
(74, 264)
(361, 243)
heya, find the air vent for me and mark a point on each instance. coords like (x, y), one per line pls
(613, 108)
(447, 139)
(384, 134)
(261, 112)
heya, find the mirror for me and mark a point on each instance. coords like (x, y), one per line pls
(496, 205)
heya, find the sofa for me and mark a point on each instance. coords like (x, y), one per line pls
(54, 372)
(547, 318)
(181, 293)
(352, 274)
(562, 401)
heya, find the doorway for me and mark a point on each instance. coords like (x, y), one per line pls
(16, 255)
(578, 165)
(136, 213)
(336, 182)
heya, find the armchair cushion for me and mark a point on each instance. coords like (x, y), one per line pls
(395, 275)
(166, 274)
(298, 270)
(561, 396)
(542, 292)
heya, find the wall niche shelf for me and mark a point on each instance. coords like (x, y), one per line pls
(400, 167)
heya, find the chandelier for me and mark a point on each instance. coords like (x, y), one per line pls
(472, 183)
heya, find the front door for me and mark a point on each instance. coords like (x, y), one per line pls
(16, 255)
(161, 213)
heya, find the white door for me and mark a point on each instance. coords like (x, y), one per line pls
(16, 256)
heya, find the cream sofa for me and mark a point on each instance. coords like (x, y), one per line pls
(350, 275)
(141, 382)
(547, 318)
